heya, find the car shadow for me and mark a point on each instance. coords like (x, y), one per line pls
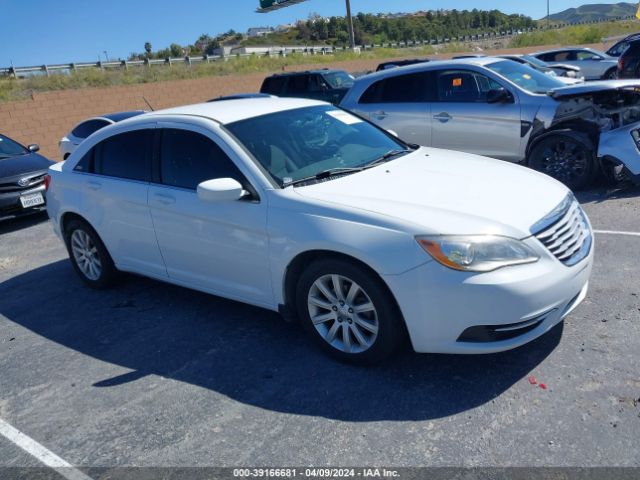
(249, 354)
(604, 193)
(13, 224)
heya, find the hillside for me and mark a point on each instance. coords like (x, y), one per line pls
(596, 11)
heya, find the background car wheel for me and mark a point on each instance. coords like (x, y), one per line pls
(565, 158)
(611, 74)
(66, 155)
(348, 311)
(88, 255)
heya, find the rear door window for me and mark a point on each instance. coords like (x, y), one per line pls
(411, 88)
(188, 158)
(126, 155)
(581, 55)
(273, 85)
(298, 84)
(87, 128)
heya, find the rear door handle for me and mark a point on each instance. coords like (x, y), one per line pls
(443, 117)
(93, 185)
(164, 198)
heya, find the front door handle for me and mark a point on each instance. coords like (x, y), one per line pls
(443, 117)
(164, 199)
(380, 114)
(93, 185)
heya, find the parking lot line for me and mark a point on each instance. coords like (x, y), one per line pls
(43, 455)
(614, 232)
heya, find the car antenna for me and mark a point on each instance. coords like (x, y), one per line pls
(148, 104)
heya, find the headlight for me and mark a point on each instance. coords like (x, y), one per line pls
(477, 253)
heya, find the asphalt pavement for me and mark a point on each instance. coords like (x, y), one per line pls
(149, 374)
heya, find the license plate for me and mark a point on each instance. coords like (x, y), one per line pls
(31, 200)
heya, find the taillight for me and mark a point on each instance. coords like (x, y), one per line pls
(621, 64)
(47, 182)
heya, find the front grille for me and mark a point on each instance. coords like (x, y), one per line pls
(566, 232)
(30, 181)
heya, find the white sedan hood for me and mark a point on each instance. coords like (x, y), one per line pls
(437, 191)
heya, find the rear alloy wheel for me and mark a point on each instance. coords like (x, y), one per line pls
(565, 158)
(348, 312)
(611, 74)
(88, 255)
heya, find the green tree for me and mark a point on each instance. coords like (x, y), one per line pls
(175, 50)
(147, 48)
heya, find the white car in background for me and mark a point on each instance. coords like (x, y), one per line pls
(84, 129)
(594, 64)
(297, 206)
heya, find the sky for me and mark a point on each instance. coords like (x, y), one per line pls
(37, 32)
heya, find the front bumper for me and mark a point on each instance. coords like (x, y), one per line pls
(10, 202)
(439, 304)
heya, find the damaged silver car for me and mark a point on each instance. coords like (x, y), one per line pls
(502, 109)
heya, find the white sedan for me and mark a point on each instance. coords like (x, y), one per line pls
(299, 207)
(85, 128)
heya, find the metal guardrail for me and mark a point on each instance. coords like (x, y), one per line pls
(277, 51)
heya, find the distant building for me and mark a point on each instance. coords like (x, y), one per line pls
(259, 31)
(284, 28)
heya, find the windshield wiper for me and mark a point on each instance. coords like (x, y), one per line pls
(346, 170)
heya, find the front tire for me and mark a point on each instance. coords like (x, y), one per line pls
(89, 256)
(565, 158)
(348, 312)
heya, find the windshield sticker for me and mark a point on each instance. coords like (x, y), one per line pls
(457, 82)
(344, 117)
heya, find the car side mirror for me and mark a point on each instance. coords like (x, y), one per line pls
(33, 147)
(499, 95)
(220, 189)
(394, 133)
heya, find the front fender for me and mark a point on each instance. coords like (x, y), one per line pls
(386, 251)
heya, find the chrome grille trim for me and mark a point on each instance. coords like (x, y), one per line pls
(14, 186)
(565, 232)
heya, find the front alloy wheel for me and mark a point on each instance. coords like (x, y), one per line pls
(348, 311)
(342, 313)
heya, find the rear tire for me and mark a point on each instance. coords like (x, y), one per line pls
(565, 158)
(89, 256)
(610, 74)
(348, 312)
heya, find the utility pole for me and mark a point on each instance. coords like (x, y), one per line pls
(548, 17)
(352, 39)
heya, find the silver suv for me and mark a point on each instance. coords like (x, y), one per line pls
(502, 109)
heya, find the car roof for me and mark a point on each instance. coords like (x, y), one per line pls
(230, 111)
(119, 116)
(307, 72)
(565, 49)
(432, 65)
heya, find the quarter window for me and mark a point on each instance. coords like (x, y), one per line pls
(189, 158)
(126, 155)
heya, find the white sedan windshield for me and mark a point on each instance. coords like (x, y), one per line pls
(297, 144)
